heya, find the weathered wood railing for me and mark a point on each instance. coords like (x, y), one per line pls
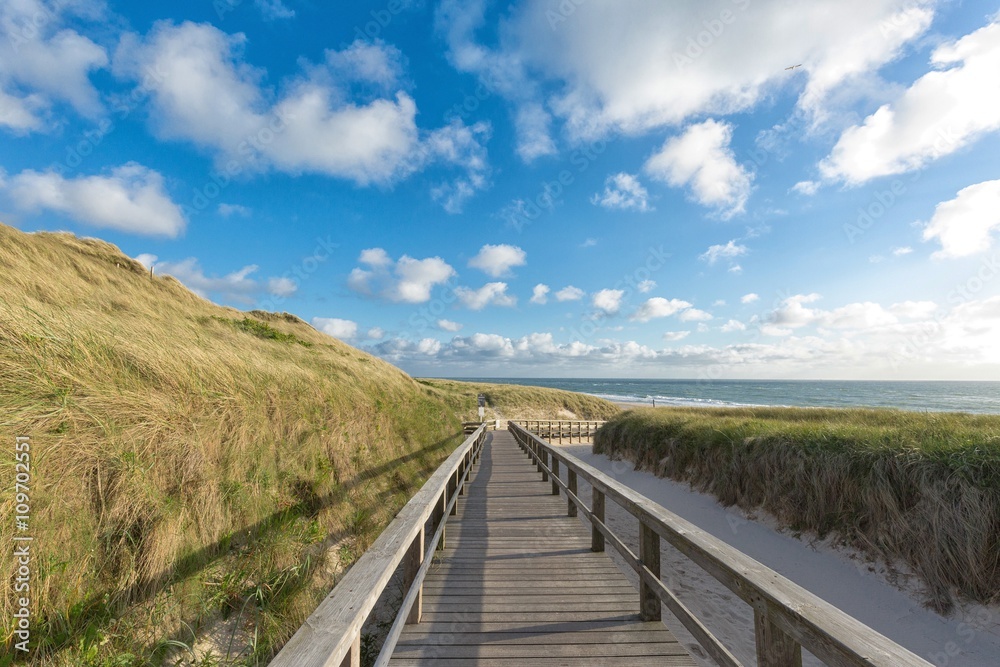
(470, 427)
(787, 617)
(331, 636)
(561, 431)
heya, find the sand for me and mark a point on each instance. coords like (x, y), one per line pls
(889, 602)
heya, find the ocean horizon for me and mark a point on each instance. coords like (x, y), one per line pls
(981, 397)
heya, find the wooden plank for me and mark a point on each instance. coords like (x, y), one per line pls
(513, 588)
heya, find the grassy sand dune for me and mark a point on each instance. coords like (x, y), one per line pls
(190, 462)
(917, 488)
(509, 401)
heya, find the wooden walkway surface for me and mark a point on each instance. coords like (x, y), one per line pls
(517, 584)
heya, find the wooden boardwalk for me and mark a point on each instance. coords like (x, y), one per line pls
(518, 584)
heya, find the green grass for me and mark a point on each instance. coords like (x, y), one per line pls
(917, 488)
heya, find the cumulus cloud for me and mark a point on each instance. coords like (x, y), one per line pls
(207, 94)
(271, 10)
(44, 62)
(657, 307)
(966, 225)
(701, 158)
(944, 110)
(227, 210)
(336, 327)
(750, 298)
(633, 66)
(733, 325)
(540, 294)
(646, 286)
(570, 293)
(132, 198)
(498, 260)
(448, 325)
(407, 280)
(623, 192)
(238, 286)
(730, 250)
(694, 315)
(608, 301)
(494, 294)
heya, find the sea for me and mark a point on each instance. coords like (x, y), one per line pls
(939, 396)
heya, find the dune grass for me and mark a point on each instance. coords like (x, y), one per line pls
(192, 464)
(917, 488)
(509, 401)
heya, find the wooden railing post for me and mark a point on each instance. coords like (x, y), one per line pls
(453, 491)
(438, 517)
(649, 555)
(774, 647)
(413, 560)
(353, 657)
(597, 509)
(458, 478)
(555, 476)
(545, 466)
(571, 485)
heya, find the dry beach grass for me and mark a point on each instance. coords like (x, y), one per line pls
(918, 488)
(191, 463)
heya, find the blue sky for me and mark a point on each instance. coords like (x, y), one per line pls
(538, 188)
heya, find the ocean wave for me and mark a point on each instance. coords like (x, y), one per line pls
(678, 401)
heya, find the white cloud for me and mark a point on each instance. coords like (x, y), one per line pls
(624, 192)
(489, 294)
(793, 314)
(943, 111)
(569, 293)
(131, 199)
(905, 250)
(42, 62)
(608, 300)
(236, 286)
(646, 286)
(736, 268)
(674, 336)
(694, 315)
(730, 250)
(750, 298)
(701, 158)
(429, 347)
(733, 325)
(966, 224)
(588, 243)
(408, 280)
(274, 9)
(719, 302)
(659, 307)
(498, 260)
(375, 333)
(336, 327)
(914, 309)
(448, 325)
(282, 287)
(807, 188)
(632, 66)
(146, 259)
(226, 210)
(500, 73)
(205, 93)
(540, 294)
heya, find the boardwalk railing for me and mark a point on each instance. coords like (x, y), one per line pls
(561, 431)
(787, 618)
(331, 636)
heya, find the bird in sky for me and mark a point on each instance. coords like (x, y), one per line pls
(793, 66)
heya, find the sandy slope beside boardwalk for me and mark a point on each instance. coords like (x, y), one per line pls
(968, 638)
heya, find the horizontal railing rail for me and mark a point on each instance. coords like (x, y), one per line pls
(787, 618)
(561, 430)
(331, 636)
